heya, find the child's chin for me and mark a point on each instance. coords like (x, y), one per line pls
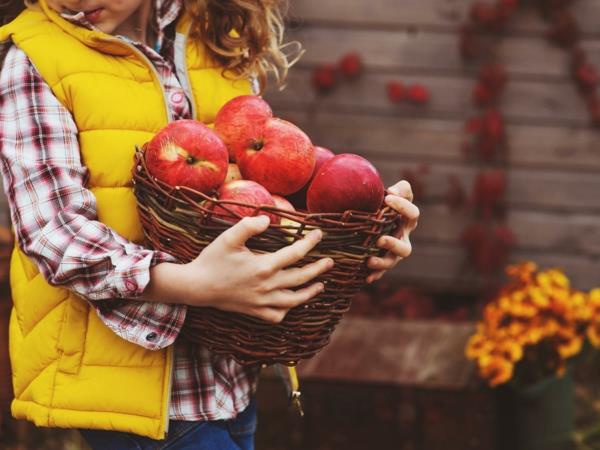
(105, 27)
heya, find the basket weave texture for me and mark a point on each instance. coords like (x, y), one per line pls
(182, 222)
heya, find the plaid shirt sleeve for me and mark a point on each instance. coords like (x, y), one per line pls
(55, 217)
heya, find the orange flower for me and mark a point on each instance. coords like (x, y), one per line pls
(477, 346)
(532, 336)
(537, 310)
(593, 334)
(570, 345)
(496, 370)
(510, 349)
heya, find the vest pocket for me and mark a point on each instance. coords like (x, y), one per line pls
(72, 335)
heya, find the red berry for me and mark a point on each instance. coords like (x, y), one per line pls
(324, 78)
(484, 14)
(417, 93)
(490, 190)
(509, 4)
(395, 91)
(505, 235)
(482, 94)
(455, 195)
(351, 65)
(594, 109)
(506, 8)
(494, 76)
(587, 76)
(469, 44)
(474, 125)
(493, 125)
(566, 30)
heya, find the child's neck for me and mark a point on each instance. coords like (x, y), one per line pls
(136, 26)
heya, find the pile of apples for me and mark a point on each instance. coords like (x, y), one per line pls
(254, 158)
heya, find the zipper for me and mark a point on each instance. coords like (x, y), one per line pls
(157, 78)
(169, 115)
(187, 77)
(182, 69)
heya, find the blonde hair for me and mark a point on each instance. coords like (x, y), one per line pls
(256, 48)
(253, 51)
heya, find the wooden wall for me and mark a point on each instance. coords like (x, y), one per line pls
(554, 162)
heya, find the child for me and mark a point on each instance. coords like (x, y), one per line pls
(96, 315)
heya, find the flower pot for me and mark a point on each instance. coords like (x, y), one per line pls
(538, 417)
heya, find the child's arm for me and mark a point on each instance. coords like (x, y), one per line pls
(54, 215)
(228, 276)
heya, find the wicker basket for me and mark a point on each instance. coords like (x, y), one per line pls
(180, 221)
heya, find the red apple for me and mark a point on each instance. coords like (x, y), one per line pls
(282, 203)
(239, 118)
(322, 154)
(279, 156)
(187, 153)
(345, 182)
(233, 173)
(244, 191)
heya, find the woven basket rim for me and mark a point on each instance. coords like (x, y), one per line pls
(308, 218)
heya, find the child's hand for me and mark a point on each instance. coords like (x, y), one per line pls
(398, 246)
(228, 276)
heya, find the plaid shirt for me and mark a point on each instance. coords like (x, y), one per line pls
(55, 219)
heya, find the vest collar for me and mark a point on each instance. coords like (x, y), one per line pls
(96, 39)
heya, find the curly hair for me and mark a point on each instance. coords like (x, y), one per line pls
(255, 49)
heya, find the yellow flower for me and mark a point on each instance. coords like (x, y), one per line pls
(496, 371)
(558, 278)
(532, 336)
(594, 297)
(511, 350)
(570, 347)
(544, 280)
(538, 310)
(477, 346)
(518, 296)
(593, 334)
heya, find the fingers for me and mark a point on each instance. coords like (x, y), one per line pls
(238, 234)
(404, 207)
(297, 276)
(386, 263)
(399, 247)
(280, 302)
(294, 252)
(375, 276)
(403, 189)
(287, 299)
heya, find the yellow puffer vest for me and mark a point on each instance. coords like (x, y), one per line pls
(69, 369)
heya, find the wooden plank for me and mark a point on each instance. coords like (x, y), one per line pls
(525, 102)
(559, 233)
(394, 352)
(404, 51)
(435, 265)
(431, 140)
(527, 189)
(437, 14)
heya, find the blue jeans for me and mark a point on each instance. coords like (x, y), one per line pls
(234, 434)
